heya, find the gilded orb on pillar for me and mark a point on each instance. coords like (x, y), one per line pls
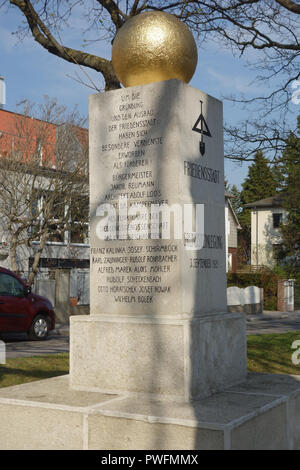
(152, 47)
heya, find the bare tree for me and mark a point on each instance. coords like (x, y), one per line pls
(43, 177)
(269, 27)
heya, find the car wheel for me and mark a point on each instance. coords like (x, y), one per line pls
(39, 329)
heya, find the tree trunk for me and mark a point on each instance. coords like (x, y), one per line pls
(36, 259)
(13, 254)
(111, 80)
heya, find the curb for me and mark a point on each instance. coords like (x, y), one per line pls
(61, 330)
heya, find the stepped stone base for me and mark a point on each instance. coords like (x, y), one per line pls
(261, 413)
(182, 359)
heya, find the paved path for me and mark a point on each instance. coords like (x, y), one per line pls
(273, 322)
(17, 345)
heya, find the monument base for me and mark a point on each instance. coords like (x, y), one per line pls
(168, 357)
(262, 413)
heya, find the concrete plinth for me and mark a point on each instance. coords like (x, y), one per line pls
(263, 413)
(179, 358)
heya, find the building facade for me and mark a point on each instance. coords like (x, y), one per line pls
(65, 251)
(266, 217)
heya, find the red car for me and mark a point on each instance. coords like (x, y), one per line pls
(21, 310)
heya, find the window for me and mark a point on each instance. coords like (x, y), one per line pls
(39, 150)
(80, 233)
(57, 234)
(35, 215)
(277, 219)
(9, 285)
(54, 203)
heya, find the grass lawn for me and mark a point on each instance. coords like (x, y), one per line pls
(27, 369)
(270, 353)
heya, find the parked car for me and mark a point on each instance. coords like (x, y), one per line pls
(21, 310)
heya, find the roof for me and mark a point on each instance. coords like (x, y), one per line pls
(228, 196)
(273, 201)
(234, 215)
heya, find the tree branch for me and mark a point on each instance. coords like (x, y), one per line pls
(289, 5)
(117, 16)
(44, 37)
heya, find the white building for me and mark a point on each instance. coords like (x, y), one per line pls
(266, 217)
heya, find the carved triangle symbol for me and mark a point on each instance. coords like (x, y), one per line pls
(203, 129)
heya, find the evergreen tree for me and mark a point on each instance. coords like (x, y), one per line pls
(260, 182)
(287, 172)
(236, 193)
(236, 200)
(226, 185)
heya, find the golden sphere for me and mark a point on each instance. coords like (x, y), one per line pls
(152, 47)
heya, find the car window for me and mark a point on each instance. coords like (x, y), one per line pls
(9, 285)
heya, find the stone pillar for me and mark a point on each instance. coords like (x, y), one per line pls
(285, 295)
(159, 323)
(62, 294)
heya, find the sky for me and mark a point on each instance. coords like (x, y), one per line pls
(31, 72)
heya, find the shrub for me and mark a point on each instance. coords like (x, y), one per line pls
(265, 279)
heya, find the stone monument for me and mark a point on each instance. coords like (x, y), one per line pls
(159, 363)
(159, 321)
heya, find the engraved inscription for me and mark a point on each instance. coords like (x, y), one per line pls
(140, 271)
